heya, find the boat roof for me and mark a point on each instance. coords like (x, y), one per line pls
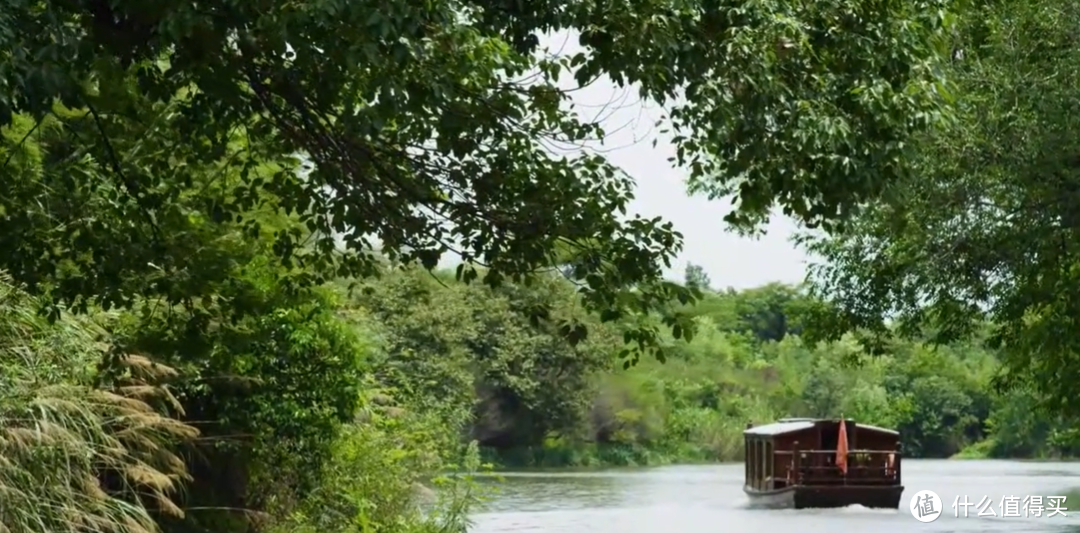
(790, 425)
(879, 429)
(786, 425)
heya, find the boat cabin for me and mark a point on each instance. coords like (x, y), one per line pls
(809, 452)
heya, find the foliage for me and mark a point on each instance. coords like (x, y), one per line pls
(770, 312)
(378, 466)
(1021, 429)
(456, 348)
(978, 241)
(193, 169)
(269, 387)
(422, 127)
(740, 368)
(290, 418)
(268, 370)
(79, 452)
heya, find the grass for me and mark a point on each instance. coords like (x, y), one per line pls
(75, 455)
(979, 450)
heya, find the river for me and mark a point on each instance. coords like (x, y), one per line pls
(709, 499)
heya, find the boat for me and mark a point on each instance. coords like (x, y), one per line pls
(805, 463)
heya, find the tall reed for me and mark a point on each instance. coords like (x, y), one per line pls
(75, 456)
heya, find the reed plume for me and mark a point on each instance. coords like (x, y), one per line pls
(75, 457)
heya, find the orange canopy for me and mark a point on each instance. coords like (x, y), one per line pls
(842, 448)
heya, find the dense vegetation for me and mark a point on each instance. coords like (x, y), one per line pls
(219, 222)
(538, 401)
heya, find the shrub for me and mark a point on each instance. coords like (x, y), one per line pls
(374, 480)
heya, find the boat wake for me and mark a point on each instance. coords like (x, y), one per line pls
(859, 509)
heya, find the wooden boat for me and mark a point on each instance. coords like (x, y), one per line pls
(801, 463)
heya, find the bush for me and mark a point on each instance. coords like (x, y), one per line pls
(270, 388)
(374, 478)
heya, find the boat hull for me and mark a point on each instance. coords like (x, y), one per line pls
(825, 497)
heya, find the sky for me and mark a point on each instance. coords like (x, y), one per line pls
(729, 259)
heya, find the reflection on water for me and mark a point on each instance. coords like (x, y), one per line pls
(542, 492)
(691, 499)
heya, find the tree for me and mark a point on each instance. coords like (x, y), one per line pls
(980, 239)
(697, 278)
(772, 311)
(418, 136)
(769, 312)
(451, 348)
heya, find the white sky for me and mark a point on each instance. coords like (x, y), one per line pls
(730, 260)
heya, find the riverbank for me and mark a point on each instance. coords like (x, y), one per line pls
(594, 456)
(607, 456)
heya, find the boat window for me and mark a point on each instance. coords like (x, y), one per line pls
(746, 460)
(757, 462)
(761, 465)
(753, 463)
(769, 460)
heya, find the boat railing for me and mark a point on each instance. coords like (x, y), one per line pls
(818, 467)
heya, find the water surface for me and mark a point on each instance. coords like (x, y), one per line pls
(693, 499)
